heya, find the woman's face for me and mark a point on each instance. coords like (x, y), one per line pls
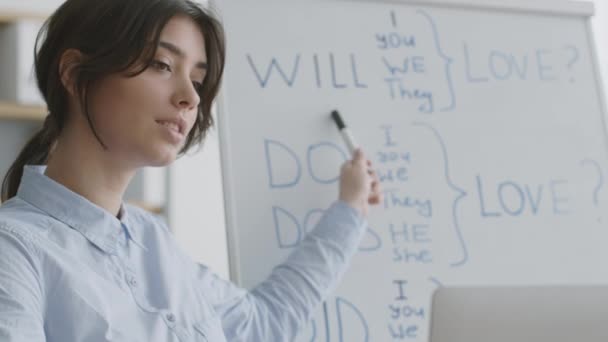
(144, 120)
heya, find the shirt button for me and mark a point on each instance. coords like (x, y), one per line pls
(133, 282)
(171, 318)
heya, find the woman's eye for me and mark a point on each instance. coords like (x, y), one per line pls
(158, 65)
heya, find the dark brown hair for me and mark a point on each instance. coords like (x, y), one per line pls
(114, 36)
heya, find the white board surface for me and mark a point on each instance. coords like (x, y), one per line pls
(485, 123)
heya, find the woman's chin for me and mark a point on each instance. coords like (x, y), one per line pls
(162, 159)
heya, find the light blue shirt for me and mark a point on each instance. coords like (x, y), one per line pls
(71, 271)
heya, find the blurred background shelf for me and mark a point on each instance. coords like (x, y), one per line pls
(13, 111)
(11, 17)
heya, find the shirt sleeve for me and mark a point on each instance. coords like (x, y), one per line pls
(278, 308)
(21, 317)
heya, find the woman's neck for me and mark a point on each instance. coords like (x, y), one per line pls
(86, 168)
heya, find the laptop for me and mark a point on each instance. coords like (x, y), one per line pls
(520, 314)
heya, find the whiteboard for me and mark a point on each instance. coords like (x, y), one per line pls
(483, 119)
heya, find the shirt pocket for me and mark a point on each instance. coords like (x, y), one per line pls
(209, 330)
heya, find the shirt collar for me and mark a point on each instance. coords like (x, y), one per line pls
(95, 223)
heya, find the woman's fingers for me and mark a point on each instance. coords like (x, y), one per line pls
(375, 196)
(359, 183)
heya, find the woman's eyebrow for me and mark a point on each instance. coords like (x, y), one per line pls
(177, 51)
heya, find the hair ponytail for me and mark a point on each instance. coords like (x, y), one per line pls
(36, 151)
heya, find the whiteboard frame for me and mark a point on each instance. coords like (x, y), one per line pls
(555, 7)
(234, 269)
(549, 7)
(598, 80)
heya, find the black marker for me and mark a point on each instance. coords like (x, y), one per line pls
(346, 135)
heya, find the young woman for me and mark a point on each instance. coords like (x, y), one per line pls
(128, 84)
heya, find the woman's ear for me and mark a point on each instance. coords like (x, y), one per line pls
(70, 59)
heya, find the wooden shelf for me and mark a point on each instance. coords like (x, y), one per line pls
(13, 111)
(11, 17)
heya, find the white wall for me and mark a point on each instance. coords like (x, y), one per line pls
(196, 211)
